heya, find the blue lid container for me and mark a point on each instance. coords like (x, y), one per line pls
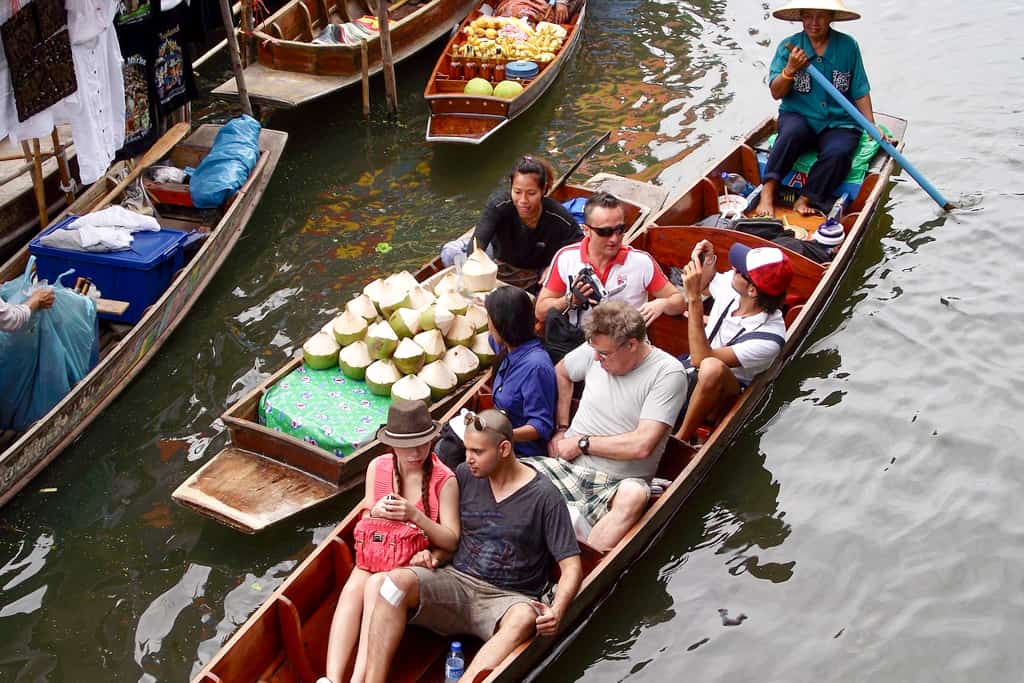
(521, 69)
(138, 275)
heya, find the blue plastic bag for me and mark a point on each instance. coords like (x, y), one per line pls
(225, 169)
(575, 207)
(40, 362)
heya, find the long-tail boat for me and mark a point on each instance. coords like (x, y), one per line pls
(125, 349)
(457, 117)
(286, 638)
(264, 476)
(291, 69)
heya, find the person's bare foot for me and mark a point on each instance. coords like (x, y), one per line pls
(803, 207)
(765, 207)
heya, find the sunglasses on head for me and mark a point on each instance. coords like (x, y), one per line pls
(480, 424)
(608, 232)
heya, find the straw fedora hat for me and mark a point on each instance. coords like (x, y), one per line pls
(791, 10)
(409, 425)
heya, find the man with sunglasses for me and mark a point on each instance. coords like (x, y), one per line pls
(744, 332)
(604, 460)
(623, 273)
(514, 527)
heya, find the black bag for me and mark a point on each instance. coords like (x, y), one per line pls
(449, 447)
(765, 228)
(560, 335)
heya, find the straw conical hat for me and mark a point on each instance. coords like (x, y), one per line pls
(791, 10)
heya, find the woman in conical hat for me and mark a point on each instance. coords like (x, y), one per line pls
(808, 117)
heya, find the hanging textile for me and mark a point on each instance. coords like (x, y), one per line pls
(175, 82)
(135, 34)
(38, 51)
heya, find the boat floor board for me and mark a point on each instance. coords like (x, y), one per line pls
(250, 492)
(284, 88)
(463, 127)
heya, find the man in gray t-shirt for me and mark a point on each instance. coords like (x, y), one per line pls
(633, 393)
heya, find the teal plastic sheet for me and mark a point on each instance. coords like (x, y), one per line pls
(324, 408)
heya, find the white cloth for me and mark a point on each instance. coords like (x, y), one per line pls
(13, 316)
(615, 404)
(754, 355)
(117, 217)
(109, 229)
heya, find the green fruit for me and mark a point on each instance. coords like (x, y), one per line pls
(478, 86)
(508, 90)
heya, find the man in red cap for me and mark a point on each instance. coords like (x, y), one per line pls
(744, 332)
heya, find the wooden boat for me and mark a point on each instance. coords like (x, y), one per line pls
(456, 117)
(19, 209)
(124, 349)
(286, 638)
(265, 477)
(291, 70)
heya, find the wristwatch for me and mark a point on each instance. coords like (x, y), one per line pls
(584, 445)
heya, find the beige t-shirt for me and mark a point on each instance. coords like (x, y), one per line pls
(615, 404)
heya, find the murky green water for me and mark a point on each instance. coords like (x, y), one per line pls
(867, 521)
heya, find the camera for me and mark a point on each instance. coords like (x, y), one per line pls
(589, 277)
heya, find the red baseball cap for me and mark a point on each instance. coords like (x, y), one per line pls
(767, 267)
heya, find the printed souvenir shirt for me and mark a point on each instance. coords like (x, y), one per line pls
(841, 64)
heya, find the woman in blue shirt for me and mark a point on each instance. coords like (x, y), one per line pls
(524, 383)
(808, 117)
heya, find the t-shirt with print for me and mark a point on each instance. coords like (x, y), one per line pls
(762, 334)
(842, 66)
(633, 276)
(615, 404)
(511, 544)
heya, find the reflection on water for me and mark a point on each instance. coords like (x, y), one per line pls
(866, 522)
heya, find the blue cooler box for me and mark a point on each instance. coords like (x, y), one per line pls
(138, 275)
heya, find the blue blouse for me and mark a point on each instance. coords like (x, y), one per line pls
(525, 388)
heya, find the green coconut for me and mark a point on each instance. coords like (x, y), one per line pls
(363, 306)
(372, 290)
(480, 272)
(348, 327)
(454, 302)
(440, 378)
(477, 315)
(411, 388)
(432, 343)
(460, 333)
(408, 357)
(481, 346)
(381, 376)
(403, 280)
(448, 283)
(462, 362)
(405, 322)
(508, 90)
(435, 317)
(389, 297)
(381, 340)
(321, 351)
(354, 359)
(420, 298)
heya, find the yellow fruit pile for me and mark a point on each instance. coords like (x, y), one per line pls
(515, 38)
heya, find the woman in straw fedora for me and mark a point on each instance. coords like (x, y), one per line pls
(409, 485)
(808, 117)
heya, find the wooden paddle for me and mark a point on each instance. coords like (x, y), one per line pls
(158, 151)
(572, 169)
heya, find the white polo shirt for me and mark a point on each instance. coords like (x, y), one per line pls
(633, 275)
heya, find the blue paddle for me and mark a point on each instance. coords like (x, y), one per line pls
(871, 130)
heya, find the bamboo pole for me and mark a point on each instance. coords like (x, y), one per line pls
(62, 165)
(387, 59)
(248, 51)
(236, 62)
(366, 77)
(37, 179)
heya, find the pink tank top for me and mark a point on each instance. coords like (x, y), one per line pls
(384, 478)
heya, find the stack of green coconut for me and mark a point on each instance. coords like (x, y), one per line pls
(404, 340)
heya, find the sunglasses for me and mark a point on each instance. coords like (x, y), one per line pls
(480, 424)
(605, 355)
(608, 232)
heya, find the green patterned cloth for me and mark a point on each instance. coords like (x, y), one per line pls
(858, 167)
(324, 408)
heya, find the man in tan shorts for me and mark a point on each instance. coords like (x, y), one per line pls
(514, 524)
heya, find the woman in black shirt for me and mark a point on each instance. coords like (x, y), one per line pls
(524, 225)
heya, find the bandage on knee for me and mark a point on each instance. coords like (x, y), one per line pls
(390, 591)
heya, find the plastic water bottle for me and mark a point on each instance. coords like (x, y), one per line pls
(454, 665)
(737, 184)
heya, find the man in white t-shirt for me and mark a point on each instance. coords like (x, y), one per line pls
(624, 273)
(744, 332)
(633, 392)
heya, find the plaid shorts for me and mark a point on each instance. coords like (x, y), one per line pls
(588, 490)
